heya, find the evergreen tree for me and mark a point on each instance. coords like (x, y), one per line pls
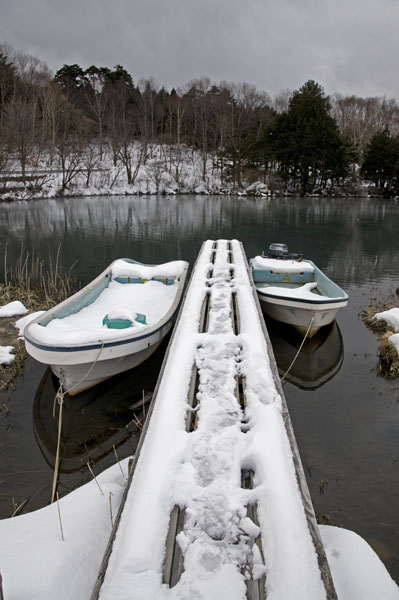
(381, 162)
(8, 78)
(306, 141)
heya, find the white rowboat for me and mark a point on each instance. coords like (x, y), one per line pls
(296, 292)
(111, 325)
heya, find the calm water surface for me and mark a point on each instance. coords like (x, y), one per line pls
(345, 417)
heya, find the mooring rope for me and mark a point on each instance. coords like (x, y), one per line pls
(89, 371)
(59, 398)
(300, 348)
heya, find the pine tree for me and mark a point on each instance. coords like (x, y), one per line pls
(381, 162)
(8, 78)
(306, 141)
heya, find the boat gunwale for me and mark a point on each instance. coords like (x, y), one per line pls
(290, 300)
(98, 345)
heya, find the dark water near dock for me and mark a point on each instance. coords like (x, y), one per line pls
(345, 417)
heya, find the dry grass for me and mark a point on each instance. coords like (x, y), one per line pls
(38, 289)
(389, 358)
(388, 365)
(8, 373)
(36, 286)
(368, 316)
(369, 313)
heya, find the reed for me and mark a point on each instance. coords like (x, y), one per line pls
(36, 286)
(59, 518)
(94, 477)
(118, 461)
(110, 509)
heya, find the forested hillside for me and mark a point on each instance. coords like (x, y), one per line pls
(96, 128)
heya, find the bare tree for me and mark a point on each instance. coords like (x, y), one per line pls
(90, 160)
(97, 99)
(69, 155)
(359, 119)
(282, 100)
(20, 130)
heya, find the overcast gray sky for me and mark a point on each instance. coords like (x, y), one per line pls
(348, 46)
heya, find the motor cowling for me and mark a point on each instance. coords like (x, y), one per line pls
(277, 250)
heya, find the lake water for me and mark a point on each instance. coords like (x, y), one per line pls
(345, 417)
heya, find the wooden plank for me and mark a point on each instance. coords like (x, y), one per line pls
(301, 478)
(173, 564)
(108, 550)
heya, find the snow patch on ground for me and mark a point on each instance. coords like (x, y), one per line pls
(394, 339)
(32, 545)
(36, 563)
(13, 309)
(6, 357)
(391, 317)
(357, 571)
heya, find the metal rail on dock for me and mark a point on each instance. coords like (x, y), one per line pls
(219, 287)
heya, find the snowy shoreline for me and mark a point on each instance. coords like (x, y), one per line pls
(165, 170)
(32, 544)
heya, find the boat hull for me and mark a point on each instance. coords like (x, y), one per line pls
(300, 315)
(285, 292)
(82, 376)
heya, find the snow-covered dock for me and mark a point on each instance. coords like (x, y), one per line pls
(217, 504)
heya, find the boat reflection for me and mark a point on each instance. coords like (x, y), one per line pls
(96, 420)
(319, 360)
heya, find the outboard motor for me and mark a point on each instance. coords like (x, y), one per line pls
(281, 251)
(278, 251)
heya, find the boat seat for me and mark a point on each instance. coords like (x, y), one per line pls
(270, 276)
(125, 271)
(127, 279)
(272, 270)
(121, 318)
(304, 292)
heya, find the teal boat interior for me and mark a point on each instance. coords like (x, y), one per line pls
(270, 277)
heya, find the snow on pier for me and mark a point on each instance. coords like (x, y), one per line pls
(217, 504)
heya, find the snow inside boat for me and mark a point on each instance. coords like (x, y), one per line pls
(296, 291)
(111, 325)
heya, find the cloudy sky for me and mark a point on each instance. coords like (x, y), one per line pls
(348, 46)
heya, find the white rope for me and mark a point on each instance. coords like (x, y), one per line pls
(299, 349)
(89, 371)
(59, 398)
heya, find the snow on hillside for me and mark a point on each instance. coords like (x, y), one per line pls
(153, 169)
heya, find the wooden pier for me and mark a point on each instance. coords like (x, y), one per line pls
(217, 505)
